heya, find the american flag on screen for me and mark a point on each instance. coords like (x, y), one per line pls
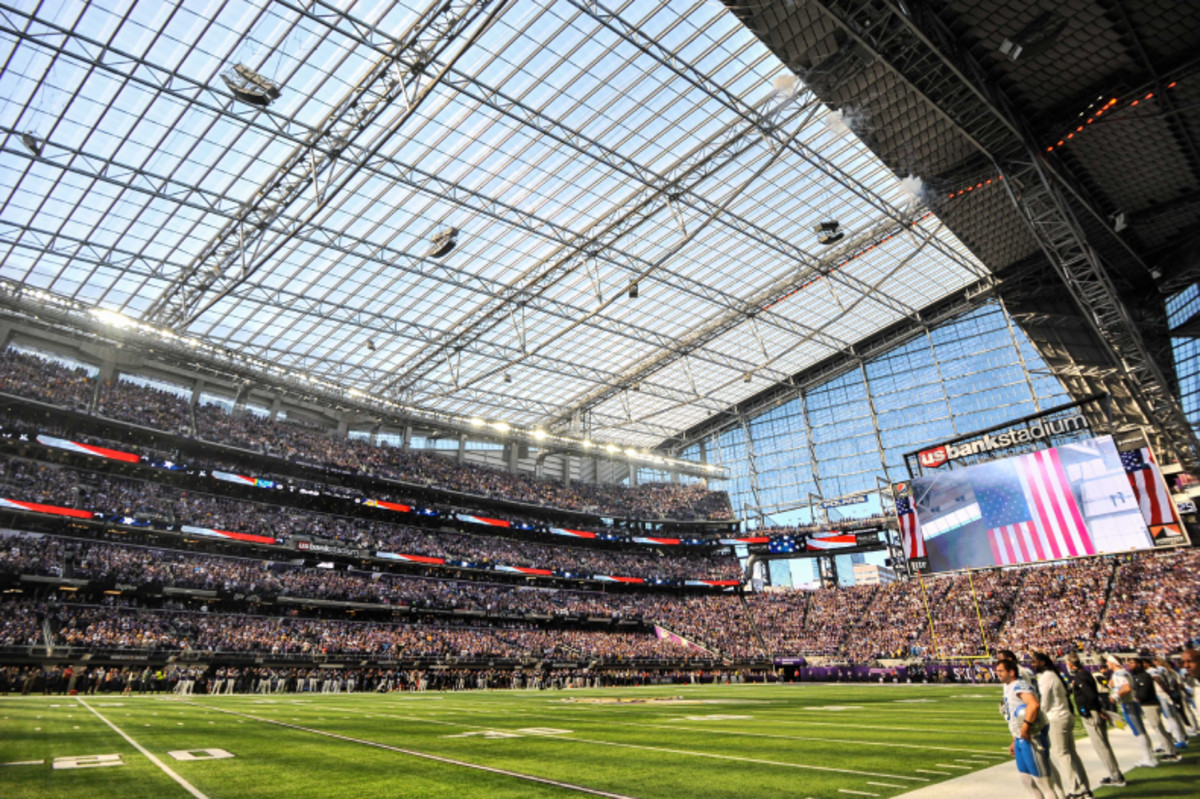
(1029, 509)
(910, 531)
(1157, 507)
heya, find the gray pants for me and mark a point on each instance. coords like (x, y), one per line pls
(1065, 757)
(1097, 731)
(1154, 726)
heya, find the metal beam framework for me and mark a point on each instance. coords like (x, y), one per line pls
(268, 280)
(957, 304)
(915, 45)
(323, 163)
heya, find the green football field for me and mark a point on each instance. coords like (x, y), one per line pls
(728, 741)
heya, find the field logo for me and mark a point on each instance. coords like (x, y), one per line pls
(937, 456)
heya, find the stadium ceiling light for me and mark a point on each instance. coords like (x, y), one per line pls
(1035, 38)
(31, 143)
(249, 87)
(444, 242)
(586, 444)
(112, 318)
(610, 448)
(540, 435)
(475, 421)
(503, 427)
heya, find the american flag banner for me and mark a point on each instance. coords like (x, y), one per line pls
(1158, 509)
(910, 531)
(1030, 511)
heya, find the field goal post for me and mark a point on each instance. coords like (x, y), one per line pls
(937, 648)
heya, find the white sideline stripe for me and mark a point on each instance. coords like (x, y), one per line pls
(660, 749)
(886, 784)
(187, 786)
(24, 763)
(427, 756)
(951, 765)
(927, 771)
(857, 793)
(889, 744)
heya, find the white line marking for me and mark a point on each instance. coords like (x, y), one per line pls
(889, 744)
(927, 771)
(951, 765)
(857, 793)
(187, 786)
(426, 756)
(25, 763)
(886, 784)
(661, 749)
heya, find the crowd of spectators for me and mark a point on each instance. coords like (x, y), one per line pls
(101, 627)
(30, 375)
(1059, 607)
(892, 625)
(108, 494)
(1155, 602)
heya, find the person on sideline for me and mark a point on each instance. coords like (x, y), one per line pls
(1090, 703)
(1056, 704)
(1028, 724)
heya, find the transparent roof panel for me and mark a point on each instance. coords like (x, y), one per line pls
(578, 150)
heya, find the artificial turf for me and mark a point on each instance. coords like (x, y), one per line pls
(713, 741)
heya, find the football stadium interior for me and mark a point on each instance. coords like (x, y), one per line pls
(522, 398)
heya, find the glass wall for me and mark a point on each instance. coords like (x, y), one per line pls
(1180, 308)
(843, 436)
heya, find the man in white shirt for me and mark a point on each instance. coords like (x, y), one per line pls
(1056, 704)
(1028, 724)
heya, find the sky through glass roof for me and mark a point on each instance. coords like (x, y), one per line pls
(578, 149)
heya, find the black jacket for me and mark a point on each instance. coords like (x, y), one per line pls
(1086, 694)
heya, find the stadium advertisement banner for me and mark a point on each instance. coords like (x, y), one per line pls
(571, 533)
(936, 457)
(54, 510)
(394, 506)
(88, 449)
(211, 533)
(830, 540)
(241, 479)
(1062, 502)
(410, 558)
(841, 502)
(327, 549)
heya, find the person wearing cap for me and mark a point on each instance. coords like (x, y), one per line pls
(1120, 683)
(1146, 693)
(1023, 712)
(1090, 704)
(1056, 704)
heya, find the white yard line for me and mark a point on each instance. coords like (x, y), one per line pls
(856, 793)
(928, 771)
(855, 742)
(187, 786)
(656, 748)
(24, 763)
(886, 784)
(425, 755)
